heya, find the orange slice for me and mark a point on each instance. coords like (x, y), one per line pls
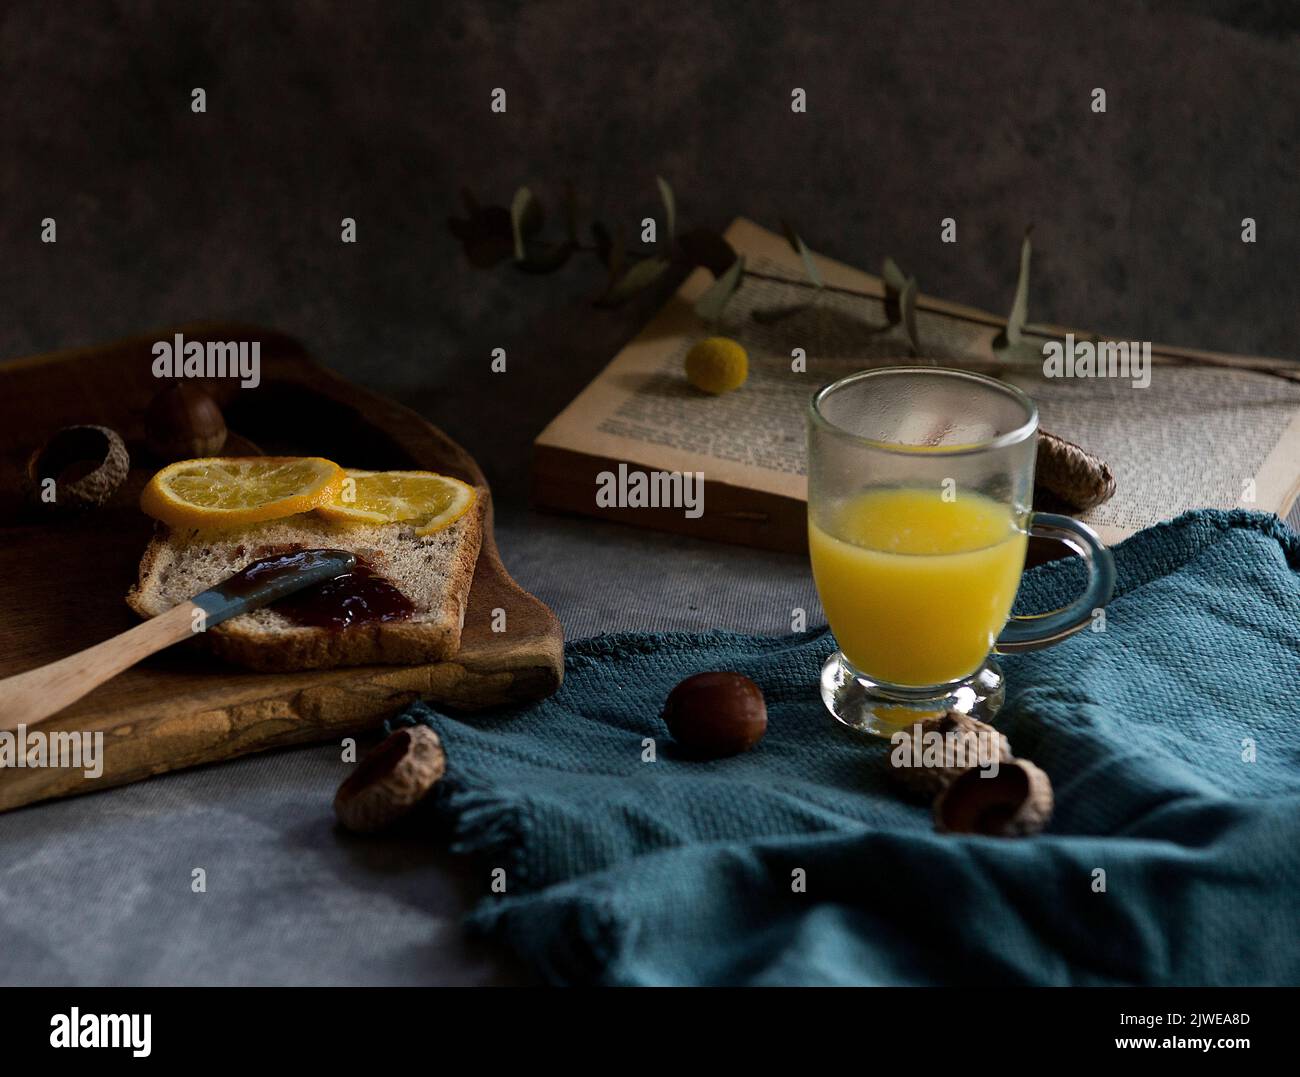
(426, 501)
(226, 491)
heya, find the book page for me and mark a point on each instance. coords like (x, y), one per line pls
(1195, 437)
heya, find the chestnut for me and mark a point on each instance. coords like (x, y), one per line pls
(716, 714)
(183, 422)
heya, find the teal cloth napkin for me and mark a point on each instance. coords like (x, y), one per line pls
(1172, 740)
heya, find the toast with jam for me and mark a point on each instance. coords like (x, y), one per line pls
(403, 604)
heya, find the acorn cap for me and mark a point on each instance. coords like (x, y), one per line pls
(87, 464)
(1017, 800)
(963, 739)
(395, 776)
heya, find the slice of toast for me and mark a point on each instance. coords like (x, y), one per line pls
(434, 572)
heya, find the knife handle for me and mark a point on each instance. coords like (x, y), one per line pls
(27, 698)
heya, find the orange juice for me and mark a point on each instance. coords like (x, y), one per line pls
(916, 588)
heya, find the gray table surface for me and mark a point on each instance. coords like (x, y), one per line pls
(917, 112)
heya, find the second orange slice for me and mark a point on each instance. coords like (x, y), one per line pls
(423, 500)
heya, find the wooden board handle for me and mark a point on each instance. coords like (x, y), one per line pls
(27, 698)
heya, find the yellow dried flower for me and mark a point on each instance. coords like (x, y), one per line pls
(717, 365)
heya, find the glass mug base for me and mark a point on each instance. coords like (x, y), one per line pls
(867, 706)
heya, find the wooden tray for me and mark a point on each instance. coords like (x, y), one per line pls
(62, 581)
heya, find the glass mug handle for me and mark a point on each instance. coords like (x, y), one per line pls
(1043, 629)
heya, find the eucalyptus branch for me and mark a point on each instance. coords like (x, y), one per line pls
(493, 234)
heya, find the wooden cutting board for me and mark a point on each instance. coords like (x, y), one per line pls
(62, 581)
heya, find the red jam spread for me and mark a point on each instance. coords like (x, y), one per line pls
(359, 597)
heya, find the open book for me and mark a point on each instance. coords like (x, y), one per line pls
(1196, 436)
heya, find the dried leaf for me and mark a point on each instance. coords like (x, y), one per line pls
(703, 247)
(547, 261)
(643, 274)
(485, 235)
(670, 207)
(712, 303)
(895, 282)
(791, 236)
(525, 219)
(609, 249)
(800, 249)
(894, 276)
(907, 306)
(1020, 304)
(809, 267)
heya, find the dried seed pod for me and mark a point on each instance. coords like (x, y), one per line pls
(396, 775)
(1080, 479)
(927, 766)
(87, 464)
(1014, 802)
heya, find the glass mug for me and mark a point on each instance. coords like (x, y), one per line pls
(919, 486)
